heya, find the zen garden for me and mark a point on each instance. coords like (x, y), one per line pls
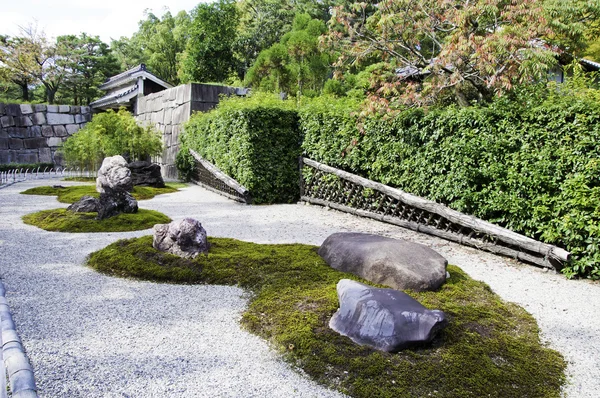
(276, 198)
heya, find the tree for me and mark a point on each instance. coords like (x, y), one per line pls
(295, 65)
(89, 65)
(575, 24)
(429, 49)
(264, 22)
(111, 133)
(16, 62)
(209, 56)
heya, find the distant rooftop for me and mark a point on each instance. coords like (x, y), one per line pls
(132, 75)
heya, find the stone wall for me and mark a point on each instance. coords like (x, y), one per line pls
(33, 133)
(168, 110)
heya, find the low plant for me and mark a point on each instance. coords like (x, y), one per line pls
(107, 134)
(490, 347)
(63, 220)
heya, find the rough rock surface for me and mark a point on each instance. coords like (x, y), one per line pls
(386, 261)
(87, 204)
(146, 173)
(185, 238)
(114, 175)
(385, 319)
(113, 202)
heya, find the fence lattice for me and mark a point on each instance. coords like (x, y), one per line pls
(327, 186)
(211, 177)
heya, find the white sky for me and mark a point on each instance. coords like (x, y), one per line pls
(105, 18)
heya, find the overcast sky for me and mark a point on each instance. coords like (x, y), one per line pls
(105, 18)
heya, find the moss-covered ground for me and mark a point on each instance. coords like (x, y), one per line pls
(489, 349)
(73, 193)
(62, 220)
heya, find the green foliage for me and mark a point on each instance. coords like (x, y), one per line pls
(527, 162)
(62, 220)
(254, 140)
(73, 193)
(490, 348)
(111, 133)
(295, 65)
(209, 56)
(158, 43)
(90, 63)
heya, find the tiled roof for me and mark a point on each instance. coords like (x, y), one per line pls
(116, 97)
(587, 62)
(132, 75)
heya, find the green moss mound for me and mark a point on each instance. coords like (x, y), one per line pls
(490, 348)
(74, 193)
(62, 220)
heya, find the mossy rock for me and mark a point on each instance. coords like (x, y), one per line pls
(73, 193)
(489, 349)
(63, 220)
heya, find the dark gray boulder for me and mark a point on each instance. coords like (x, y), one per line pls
(146, 173)
(385, 319)
(391, 262)
(115, 201)
(87, 204)
(184, 238)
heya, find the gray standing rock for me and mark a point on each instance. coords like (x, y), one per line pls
(385, 319)
(386, 261)
(87, 204)
(146, 173)
(184, 238)
(114, 175)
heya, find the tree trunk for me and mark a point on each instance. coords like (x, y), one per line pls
(24, 91)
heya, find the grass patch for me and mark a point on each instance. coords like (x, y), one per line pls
(80, 179)
(74, 193)
(490, 348)
(62, 220)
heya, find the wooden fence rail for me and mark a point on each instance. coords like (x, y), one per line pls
(212, 178)
(327, 186)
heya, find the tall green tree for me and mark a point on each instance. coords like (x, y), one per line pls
(295, 65)
(89, 65)
(575, 24)
(209, 55)
(264, 22)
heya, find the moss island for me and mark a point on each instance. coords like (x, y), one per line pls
(490, 348)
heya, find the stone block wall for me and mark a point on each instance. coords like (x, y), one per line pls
(33, 133)
(168, 110)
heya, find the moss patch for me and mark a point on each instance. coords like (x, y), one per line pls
(80, 179)
(74, 193)
(62, 220)
(490, 348)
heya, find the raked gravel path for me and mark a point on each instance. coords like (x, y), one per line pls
(90, 335)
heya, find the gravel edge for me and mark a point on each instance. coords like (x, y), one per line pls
(16, 363)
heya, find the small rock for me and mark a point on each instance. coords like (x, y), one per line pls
(114, 202)
(185, 238)
(146, 173)
(87, 204)
(385, 319)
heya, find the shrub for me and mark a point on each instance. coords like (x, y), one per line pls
(254, 140)
(111, 133)
(528, 162)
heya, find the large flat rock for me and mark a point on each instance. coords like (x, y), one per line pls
(392, 262)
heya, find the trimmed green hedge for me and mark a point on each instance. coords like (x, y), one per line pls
(530, 163)
(255, 141)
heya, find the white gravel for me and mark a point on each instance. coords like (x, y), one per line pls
(89, 335)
